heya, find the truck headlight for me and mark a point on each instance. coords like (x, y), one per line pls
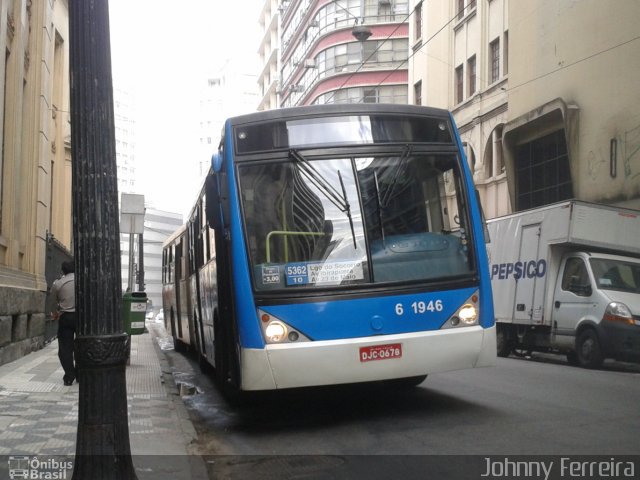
(619, 313)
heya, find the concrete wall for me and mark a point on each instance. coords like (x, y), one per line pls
(583, 55)
(22, 322)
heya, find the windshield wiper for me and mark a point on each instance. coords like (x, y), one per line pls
(388, 194)
(379, 205)
(317, 179)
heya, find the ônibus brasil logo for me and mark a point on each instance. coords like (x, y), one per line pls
(24, 466)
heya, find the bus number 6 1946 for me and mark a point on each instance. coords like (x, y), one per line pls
(419, 308)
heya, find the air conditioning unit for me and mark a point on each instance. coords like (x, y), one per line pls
(309, 63)
(296, 88)
(313, 24)
(384, 2)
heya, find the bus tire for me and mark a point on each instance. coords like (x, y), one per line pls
(407, 382)
(218, 351)
(224, 362)
(203, 363)
(588, 349)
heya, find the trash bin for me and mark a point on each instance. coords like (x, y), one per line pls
(134, 309)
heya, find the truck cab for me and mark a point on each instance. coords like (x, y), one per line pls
(596, 308)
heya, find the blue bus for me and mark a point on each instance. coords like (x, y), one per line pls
(333, 244)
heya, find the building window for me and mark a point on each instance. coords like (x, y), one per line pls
(418, 22)
(543, 175)
(417, 93)
(370, 95)
(472, 4)
(459, 85)
(505, 48)
(382, 94)
(471, 72)
(494, 61)
(493, 158)
(460, 9)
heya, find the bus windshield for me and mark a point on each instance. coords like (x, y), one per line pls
(318, 223)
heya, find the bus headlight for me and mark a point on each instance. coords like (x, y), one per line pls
(468, 314)
(275, 332)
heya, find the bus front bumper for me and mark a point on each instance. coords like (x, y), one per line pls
(306, 364)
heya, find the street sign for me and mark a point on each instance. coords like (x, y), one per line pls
(131, 213)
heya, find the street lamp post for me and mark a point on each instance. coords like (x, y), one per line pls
(102, 445)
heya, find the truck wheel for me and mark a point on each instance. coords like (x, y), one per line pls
(503, 341)
(572, 359)
(588, 349)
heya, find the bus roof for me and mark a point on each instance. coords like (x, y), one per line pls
(172, 238)
(338, 109)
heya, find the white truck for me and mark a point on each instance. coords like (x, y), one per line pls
(566, 278)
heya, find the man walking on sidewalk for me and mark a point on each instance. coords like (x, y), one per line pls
(63, 291)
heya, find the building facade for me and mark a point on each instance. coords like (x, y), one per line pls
(35, 167)
(125, 135)
(574, 102)
(269, 54)
(230, 91)
(543, 92)
(347, 51)
(460, 62)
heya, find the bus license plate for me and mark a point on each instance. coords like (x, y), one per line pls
(380, 352)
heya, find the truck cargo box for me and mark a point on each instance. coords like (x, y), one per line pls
(525, 249)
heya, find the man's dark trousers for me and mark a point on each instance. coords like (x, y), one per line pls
(66, 336)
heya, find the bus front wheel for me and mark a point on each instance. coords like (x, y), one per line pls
(225, 361)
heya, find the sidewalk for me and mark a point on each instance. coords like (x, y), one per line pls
(39, 415)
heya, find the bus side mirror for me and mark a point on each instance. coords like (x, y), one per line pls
(224, 199)
(212, 205)
(485, 229)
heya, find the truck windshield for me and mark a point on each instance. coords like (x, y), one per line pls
(612, 274)
(318, 223)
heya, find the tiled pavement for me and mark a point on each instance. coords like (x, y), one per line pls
(39, 415)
